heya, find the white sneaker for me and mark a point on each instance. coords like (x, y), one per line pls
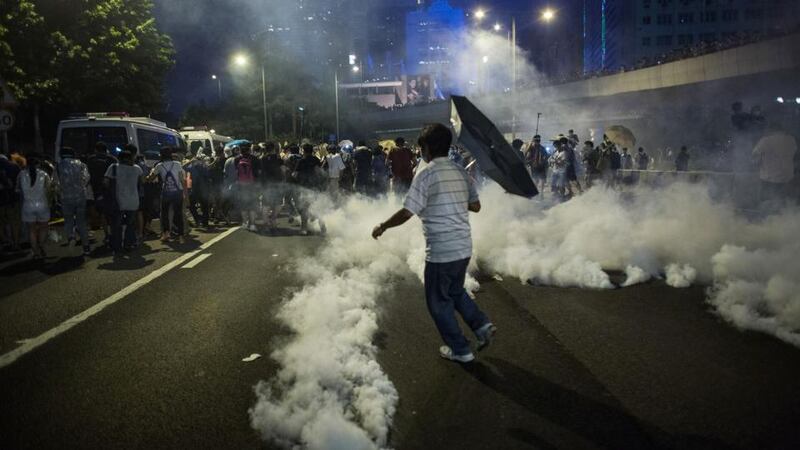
(252, 227)
(447, 353)
(485, 335)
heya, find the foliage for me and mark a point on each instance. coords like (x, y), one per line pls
(85, 54)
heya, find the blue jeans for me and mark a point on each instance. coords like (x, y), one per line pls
(128, 220)
(75, 217)
(445, 294)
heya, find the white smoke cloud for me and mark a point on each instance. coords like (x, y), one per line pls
(331, 392)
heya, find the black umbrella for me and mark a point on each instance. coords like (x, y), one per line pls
(487, 145)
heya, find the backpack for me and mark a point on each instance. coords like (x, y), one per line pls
(244, 170)
(170, 186)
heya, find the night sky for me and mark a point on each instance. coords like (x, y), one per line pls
(206, 32)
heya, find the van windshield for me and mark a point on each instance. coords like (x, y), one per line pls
(82, 139)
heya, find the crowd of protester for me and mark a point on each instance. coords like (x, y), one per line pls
(113, 201)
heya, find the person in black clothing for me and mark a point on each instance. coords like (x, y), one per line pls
(272, 179)
(362, 161)
(101, 207)
(682, 160)
(311, 178)
(216, 175)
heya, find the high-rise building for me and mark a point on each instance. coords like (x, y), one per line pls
(386, 49)
(431, 34)
(620, 33)
(662, 25)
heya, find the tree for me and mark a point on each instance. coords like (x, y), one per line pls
(84, 55)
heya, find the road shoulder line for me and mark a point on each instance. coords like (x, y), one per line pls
(36, 342)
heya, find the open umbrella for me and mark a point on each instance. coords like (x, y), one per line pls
(387, 145)
(238, 142)
(489, 148)
(621, 136)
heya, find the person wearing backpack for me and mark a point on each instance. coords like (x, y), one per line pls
(170, 175)
(247, 190)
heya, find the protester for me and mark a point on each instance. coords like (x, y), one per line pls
(290, 197)
(216, 175)
(34, 186)
(200, 191)
(170, 176)
(775, 154)
(642, 159)
(682, 160)
(402, 164)
(334, 166)
(272, 184)
(380, 171)
(571, 173)
(246, 188)
(311, 178)
(10, 213)
(591, 160)
(516, 145)
(72, 177)
(537, 161)
(558, 163)
(100, 205)
(442, 195)
(626, 163)
(124, 180)
(362, 163)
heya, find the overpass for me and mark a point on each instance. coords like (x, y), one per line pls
(686, 101)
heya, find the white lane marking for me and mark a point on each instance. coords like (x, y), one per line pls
(34, 343)
(196, 261)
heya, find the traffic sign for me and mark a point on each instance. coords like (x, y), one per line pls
(6, 120)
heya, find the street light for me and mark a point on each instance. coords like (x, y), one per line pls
(485, 59)
(355, 69)
(480, 14)
(497, 27)
(219, 85)
(240, 60)
(548, 14)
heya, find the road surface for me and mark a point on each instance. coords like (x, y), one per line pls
(161, 367)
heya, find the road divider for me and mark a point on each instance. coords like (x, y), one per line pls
(32, 344)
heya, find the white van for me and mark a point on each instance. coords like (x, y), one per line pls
(201, 136)
(81, 132)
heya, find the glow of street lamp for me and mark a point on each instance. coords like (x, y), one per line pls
(240, 60)
(480, 14)
(485, 59)
(548, 15)
(497, 27)
(356, 69)
(213, 77)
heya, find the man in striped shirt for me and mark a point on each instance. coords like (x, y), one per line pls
(442, 195)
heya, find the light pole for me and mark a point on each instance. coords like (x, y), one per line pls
(241, 60)
(219, 85)
(336, 96)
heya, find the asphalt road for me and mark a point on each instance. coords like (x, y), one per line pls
(642, 367)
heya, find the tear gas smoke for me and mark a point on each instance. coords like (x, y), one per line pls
(332, 393)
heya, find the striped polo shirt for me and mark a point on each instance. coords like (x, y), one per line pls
(440, 195)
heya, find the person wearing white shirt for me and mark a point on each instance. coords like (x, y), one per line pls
(442, 195)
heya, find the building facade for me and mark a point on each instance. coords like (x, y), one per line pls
(432, 33)
(622, 33)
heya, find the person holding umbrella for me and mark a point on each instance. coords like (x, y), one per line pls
(442, 195)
